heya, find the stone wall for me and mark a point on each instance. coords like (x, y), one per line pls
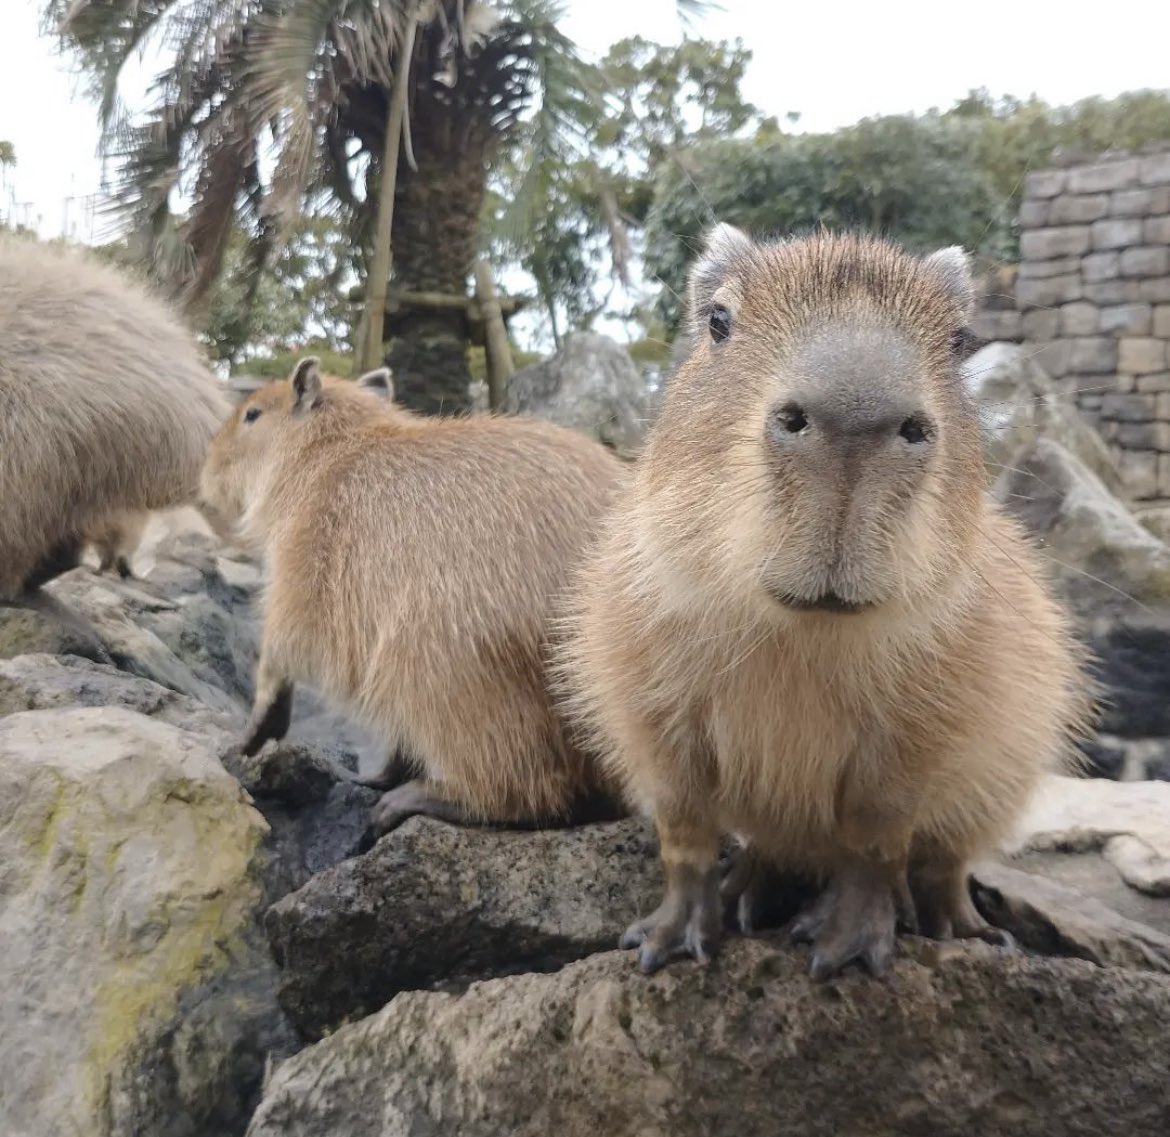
(1093, 296)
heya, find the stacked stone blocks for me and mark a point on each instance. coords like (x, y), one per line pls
(1093, 294)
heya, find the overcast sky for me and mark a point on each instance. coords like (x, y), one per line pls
(833, 63)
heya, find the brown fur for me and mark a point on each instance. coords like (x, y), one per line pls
(906, 735)
(116, 538)
(411, 567)
(105, 405)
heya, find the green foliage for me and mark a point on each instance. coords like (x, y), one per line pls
(279, 363)
(7, 153)
(303, 293)
(928, 180)
(592, 206)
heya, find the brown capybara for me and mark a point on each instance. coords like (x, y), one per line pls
(805, 624)
(115, 539)
(412, 565)
(106, 405)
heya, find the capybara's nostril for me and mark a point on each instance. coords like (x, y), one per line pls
(791, 418)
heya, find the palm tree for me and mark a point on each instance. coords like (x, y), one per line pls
(304, 87)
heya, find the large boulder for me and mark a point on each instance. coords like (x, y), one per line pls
(138, 995)
(435, 904)
(955, 1043)
(1112, 571)
(592, 385)
(1018, 403)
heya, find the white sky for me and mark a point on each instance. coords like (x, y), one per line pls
(834, 63)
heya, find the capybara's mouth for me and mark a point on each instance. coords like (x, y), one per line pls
(826, 602)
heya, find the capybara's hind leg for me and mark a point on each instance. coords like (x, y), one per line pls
(397, 769)
(756, 894)
(417, 796)
(944, 905)
(65, 555)
(123, 567)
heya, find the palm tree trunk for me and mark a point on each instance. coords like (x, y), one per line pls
(436, 228)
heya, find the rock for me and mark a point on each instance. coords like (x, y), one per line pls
(46, 627)
(592, 385)
(957, 1043)
(1057, 920)
(1128, 823)
(316, 814)
(137, 992)
(440, 904)
(1019, 403)
(1113, 572)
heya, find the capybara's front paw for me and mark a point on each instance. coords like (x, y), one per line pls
(270, 721)
(688, 922)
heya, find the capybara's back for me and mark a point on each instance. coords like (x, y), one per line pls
(106, 404)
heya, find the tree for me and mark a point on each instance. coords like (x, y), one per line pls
(910, 178)
(311, 79)
(588, 215)
(7, 153)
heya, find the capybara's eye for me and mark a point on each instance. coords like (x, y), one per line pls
(914, 430)
(958, 341)
(719, 323)
(251, 414)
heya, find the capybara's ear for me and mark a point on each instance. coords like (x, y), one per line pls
(952, 266)
(306, 383)
(380, 381)
(723, 246)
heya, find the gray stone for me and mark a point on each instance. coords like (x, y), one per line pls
(1127, 408)
(1045, 183)
(1157, 230)
(1033, 214)
(1040, 324)
(1114, 291)
(139, 997)
(1018, 403)
(1071, 209)
(1135, 319)
(1140, 473)
(997, 326)
(1130, 203)
(591, 385)
(1156, 291)
(438, 904)
(1048, 292)
(1101, 266)
(1161, 326)
(1156, 383)
(1047, 244)
(1141, 355)
(1145, 261)
(1142, 435)
(1155, 170)
(1093, 355)
(1061, 266)
(1104, 177)
(955, 1043)
(1117, 234)
(1053, 357)
(1079, 319)
(1159, 200)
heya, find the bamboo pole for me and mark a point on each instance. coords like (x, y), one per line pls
(382, 261)
(497, 350)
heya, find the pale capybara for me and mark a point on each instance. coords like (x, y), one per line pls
(106, 405)
(412, 565)
(805, 624)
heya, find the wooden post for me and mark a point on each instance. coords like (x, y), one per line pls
(370, 353)
(497, 351)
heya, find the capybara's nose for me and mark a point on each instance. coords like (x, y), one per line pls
(878, 419)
